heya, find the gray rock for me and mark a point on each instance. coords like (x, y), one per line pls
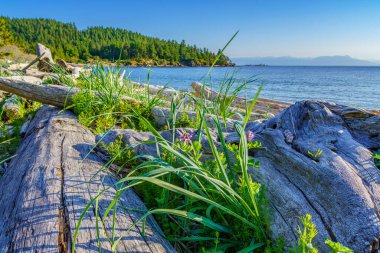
(76, 72)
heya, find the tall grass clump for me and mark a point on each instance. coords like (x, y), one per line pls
(206, 206)
(11, 124)
(104, 97)
(229, 89)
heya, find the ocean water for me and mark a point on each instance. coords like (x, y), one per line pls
(354, 86)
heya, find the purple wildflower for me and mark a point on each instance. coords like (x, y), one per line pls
(250, 136)
(186, 137)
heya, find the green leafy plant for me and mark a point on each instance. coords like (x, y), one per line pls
(315, 154)
(121, 155)
(336, 247)
(306, 235)
(214, 195)
(376, 157)
(61, 77)
(11, 124)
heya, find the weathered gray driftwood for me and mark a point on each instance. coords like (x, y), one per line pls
(56, 95)
(64, 65)
(61, 96)
(340, 188)
(50, 182)
(166, 93)
(46, 61)
(40, 74)
(33, 62)
(263, 105)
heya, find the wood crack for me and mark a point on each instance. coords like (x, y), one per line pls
(64, 233)
(286, 222)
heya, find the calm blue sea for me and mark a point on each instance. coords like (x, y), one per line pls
(355, 86)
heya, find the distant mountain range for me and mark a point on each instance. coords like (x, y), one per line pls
(293, 61)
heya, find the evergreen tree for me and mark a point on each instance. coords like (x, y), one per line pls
(5, 34)
(93, 43)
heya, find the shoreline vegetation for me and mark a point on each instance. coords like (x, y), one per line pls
(218, 173)
(205, 201)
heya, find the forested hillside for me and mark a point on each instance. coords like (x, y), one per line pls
(112, 44)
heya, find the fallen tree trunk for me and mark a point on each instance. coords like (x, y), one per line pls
(56, 95)
(38, 58)
(61, 96)
(50, 182)
(166, 93)
(262, 106)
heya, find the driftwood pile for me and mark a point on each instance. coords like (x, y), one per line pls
(45, 66)
(61, 96)
(318, 160)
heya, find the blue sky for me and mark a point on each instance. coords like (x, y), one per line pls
(267, 27)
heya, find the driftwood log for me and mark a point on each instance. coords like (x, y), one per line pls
(263, 105)
(61, 96)
(340, 188)
(56, 95)
(167, 93)
(46, 61)
(50, 182)
(64, 65)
